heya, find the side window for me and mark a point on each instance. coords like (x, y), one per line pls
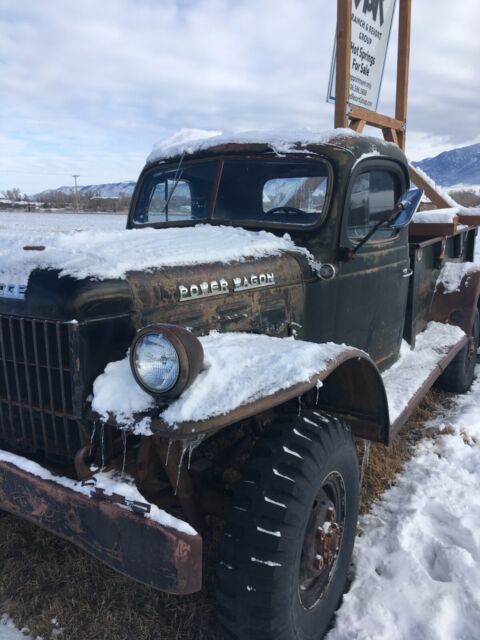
(373, 194)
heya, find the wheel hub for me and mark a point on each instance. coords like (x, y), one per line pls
(327, 541)
(322, 542)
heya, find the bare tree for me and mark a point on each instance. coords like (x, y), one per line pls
(14, 195)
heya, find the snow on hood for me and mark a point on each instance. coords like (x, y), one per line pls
(111, 254)
(192, 140)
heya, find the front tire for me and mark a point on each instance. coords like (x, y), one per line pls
(287, 545)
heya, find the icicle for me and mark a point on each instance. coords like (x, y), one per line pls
(102, 435)
(365, 458)
(191, 448)
(94, 430)
(170, 442)
(299, 406)
(180, 463)
(193, 444)
(124, 441)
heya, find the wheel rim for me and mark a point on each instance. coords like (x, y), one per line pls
(323, 541)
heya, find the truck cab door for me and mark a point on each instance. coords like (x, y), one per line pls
(373, 286)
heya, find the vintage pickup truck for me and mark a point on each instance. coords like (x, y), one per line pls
(229, 368)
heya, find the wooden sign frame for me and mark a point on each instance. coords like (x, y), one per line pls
(394, 129)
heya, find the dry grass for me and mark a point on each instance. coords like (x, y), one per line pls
(44, 577)
(386, 462)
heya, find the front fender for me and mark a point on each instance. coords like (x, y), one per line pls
(246, 375)
(348, 385)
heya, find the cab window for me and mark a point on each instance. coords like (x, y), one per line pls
(373, 194)
(176, 194)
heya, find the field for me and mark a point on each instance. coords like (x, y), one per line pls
(415, 574)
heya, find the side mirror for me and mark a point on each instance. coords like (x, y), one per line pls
(407, 206)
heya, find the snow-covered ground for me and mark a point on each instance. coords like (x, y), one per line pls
(417, 562)
(36, 222)
(8, 631)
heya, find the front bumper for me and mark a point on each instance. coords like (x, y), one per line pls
(160, 556)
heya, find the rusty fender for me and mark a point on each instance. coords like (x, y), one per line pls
(457, 307)
(352, 388)
(138, 547)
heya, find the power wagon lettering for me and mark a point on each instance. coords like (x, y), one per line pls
(222, 286)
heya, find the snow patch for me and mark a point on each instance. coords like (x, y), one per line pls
(8, 631)
(111, 483)
(452, 274)
(412, 369)
(436, 216)
(116, 387)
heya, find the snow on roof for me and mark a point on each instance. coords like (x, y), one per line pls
(188, 141)
(111, 254)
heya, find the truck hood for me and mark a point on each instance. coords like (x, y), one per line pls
(84, 275)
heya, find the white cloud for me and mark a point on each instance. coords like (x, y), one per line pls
(87, 87)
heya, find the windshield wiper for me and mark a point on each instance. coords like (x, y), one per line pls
(176, 178)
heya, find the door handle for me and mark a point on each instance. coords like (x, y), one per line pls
(406, 273)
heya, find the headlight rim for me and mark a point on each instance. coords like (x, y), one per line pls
(189, 352)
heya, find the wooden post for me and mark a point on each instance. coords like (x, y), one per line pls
(403, 67)
(344, 44)
(346, 115)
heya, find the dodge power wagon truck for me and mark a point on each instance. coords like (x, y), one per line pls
(271, 307)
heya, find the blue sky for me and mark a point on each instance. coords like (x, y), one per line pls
(87, 87)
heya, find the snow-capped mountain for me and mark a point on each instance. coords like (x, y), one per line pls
(459, 166)
(108, 190)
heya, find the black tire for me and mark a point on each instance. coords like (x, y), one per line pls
(268, 588)
(459, 374)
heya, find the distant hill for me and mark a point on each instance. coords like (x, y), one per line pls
(109, 190)
(459, 166)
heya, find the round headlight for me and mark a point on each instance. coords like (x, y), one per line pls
(165, 359)
(156, 362)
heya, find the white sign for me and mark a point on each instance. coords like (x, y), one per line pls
(371, 26)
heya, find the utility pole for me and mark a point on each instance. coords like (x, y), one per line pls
(75, 176)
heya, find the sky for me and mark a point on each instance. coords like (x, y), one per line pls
(87, 87)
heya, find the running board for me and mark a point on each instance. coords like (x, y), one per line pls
(411, 377)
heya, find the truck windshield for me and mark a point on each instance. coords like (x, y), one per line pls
(282, 192)
(254, 190)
